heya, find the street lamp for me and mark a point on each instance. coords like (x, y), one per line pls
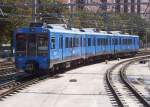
(34, 10)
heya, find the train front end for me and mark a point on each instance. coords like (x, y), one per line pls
(31, 49)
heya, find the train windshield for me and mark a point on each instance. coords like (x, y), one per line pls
(31, 45)
(21, 42)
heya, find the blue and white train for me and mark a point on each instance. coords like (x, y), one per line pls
(40, 48)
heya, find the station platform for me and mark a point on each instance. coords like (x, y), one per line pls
(81, 87)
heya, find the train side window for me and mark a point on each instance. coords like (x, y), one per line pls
(42, 45)
(70, 43)
(53, 41)
(101, 41)
(113, 41)
(94, 41)
(130, 41)
(60, 41)
(66, 42)
(116, 41)
(98, 41)
(74, 42)
(89, 41)
(127, 41)
(124, 42)
(109, 40)
(120, 41)
(81, 41)
(77, 42)
(134, 41)
(84, 42)
(106, 41)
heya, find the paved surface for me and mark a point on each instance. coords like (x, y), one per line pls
(81, 87)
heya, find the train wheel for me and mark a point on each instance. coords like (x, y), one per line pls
(52, 70)
(61, 68)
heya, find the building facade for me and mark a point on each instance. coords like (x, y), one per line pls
(141, 7)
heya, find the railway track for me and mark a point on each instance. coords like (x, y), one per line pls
(6, 68)
(123, 92)
(13, 84)
(131, 87)
(19, 83)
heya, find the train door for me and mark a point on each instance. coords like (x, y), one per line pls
(60, 50)
(90, 47)
(53, 54)
(32, 46)
(67, 51)
(20, 45)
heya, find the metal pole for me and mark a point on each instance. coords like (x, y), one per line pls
(146, 40)
(34, 10)
(1, 11)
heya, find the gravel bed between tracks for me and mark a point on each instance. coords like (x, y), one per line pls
(139, 75)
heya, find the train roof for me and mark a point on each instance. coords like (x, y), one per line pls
(62, 28)
(86, 31)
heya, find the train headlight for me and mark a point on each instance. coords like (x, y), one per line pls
(44, 60)
(45, 30)
(19, 59)
(32, 29)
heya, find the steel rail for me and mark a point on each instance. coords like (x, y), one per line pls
(25, 83)
(130, 86)
(112, 87)
(29, 81)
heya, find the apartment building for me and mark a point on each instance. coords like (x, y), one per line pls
(141, 7)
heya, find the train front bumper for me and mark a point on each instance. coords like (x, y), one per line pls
(32, 63)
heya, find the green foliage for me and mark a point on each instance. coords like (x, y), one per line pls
(52, 11)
